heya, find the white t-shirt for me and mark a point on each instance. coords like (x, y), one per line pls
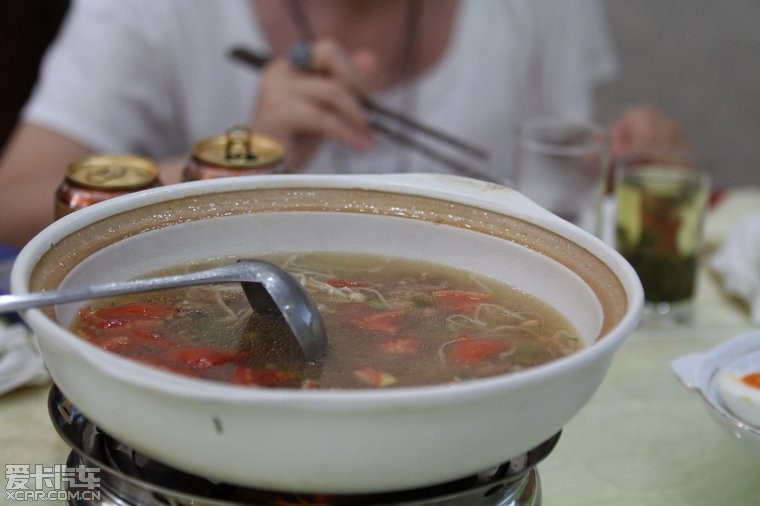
(151, 77)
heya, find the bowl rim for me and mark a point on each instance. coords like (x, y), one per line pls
(467, 191)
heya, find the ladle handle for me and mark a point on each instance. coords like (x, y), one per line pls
(11, 303)
(266, 286)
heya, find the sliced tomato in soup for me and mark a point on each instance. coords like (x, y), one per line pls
(386, 322)
(459, 300)
(473, 350)
(203, 357)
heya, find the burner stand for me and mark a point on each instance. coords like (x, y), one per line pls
(128, 478)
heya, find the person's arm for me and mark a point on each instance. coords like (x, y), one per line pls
(641, 130)
(31, 169)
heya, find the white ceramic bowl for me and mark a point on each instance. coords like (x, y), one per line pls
(703, 372)
(331, 441)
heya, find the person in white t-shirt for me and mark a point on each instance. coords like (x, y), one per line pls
(150, 78)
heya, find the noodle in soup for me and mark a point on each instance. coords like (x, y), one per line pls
(390, 322)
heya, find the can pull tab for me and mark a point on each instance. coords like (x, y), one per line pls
(238, 149)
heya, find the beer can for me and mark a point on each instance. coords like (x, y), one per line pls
(101, 177)
(237, 152)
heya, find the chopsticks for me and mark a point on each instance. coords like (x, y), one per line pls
(258, 61)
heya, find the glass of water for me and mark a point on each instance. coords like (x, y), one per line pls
(563, 166)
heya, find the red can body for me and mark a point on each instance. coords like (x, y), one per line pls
(237, 152)
(102, 177)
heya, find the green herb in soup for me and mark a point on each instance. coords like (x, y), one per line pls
(390, 322)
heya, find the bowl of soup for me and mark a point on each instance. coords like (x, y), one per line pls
(466, 326)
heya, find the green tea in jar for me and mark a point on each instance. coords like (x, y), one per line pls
(659, 227)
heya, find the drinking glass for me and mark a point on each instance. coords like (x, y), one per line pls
(562, 165)
(659, 222)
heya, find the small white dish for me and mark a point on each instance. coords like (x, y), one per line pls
(703, 372)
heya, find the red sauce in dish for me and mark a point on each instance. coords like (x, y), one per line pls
(752, 379)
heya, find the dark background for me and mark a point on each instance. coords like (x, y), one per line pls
(26, 28)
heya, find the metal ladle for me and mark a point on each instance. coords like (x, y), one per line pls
(266, 286)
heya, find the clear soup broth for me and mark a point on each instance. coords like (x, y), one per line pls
(390, 322)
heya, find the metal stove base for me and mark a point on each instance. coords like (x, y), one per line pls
(128, 478)
(113, 491)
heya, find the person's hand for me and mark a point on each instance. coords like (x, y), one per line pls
(302, 108)
(642, 131)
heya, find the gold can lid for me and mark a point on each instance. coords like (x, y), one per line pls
(239, 148)
(113, 172)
